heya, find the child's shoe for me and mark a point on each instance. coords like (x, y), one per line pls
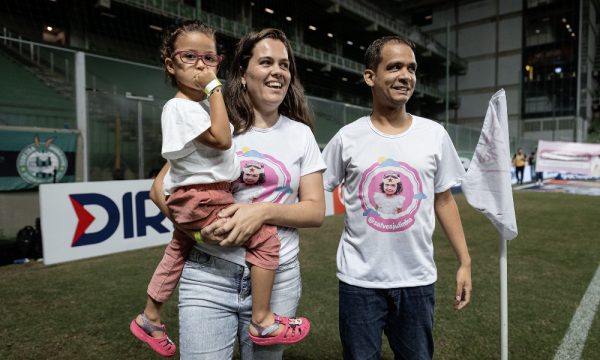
(294, 330)
(162, 345)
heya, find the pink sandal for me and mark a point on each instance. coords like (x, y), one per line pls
(163, 345)
(295, 330)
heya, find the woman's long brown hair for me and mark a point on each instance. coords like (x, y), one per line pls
(239, 105)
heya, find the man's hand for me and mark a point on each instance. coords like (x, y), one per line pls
(463, 287)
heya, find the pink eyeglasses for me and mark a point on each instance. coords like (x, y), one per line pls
(192, 57)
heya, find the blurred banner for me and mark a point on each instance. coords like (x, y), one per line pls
(568, 157)
(33, 156)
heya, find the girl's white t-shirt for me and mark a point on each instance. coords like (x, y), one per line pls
(284, 152)
(191, 162)
(379, 248)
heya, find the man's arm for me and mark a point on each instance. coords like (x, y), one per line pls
(449, 218)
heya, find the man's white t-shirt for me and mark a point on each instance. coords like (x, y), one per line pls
(191, 162)
(379, 250)
(287, 150)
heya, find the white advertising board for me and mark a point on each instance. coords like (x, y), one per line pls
(568, 157)
(88, 219)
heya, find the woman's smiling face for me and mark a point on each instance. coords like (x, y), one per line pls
(267, 76)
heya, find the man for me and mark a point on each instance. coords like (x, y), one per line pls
(385, 262)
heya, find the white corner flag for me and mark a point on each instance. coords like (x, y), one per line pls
(488, 189)
(487, 185)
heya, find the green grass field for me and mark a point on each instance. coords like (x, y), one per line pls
(82, 310)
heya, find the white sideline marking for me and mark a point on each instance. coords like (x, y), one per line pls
(574, 340)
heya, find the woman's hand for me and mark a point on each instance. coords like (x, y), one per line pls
(244, 220)
(213, 233)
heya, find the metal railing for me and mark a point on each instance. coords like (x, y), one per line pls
(399, 27)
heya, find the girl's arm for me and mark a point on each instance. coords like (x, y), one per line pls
(245, 219)
(218, 136)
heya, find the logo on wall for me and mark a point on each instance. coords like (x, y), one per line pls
(390, 194)
(42, 162)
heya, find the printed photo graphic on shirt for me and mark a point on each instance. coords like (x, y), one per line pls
(262, 178)
(390, 194)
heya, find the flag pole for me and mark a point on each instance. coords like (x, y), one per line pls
(487, 188)
(503, 300)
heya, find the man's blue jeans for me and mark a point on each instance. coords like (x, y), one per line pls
(404, 314)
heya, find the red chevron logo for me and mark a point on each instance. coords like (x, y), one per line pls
(84, 220)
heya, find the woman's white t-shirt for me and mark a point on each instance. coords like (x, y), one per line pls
(287, 150)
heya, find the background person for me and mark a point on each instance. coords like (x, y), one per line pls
(385, 266)
(518, 161)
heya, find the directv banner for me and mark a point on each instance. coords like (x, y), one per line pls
(88, 219)
(568, 157)
(31, 156)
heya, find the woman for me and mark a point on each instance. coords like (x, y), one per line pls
(267, 106)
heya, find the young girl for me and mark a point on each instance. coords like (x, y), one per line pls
(202, 166)
(389, 201)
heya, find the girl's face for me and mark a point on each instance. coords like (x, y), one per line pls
(267, 76)
(184, 73)
(250, 178)
(251, 174)
(390, 188)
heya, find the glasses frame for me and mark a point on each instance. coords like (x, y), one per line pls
(199, 57)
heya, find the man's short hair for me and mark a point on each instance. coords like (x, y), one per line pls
(373, 53)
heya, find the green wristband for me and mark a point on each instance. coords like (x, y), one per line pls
(198, 237)
(211, 86)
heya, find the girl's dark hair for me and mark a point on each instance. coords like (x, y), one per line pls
(171, 35)
(239, 105)
(373, 53)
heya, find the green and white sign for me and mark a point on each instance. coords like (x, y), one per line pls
(33, 156)
(42, 162)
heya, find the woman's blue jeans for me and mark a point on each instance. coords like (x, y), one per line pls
(215, 307)
(404, 314)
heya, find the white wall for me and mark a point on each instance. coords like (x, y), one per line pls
(18, 209)
(509, 69)
(476, 10)
(510, 34)
(477, 40)
(508, 6)
(480, 73)
(512, 101)
(474, 105)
